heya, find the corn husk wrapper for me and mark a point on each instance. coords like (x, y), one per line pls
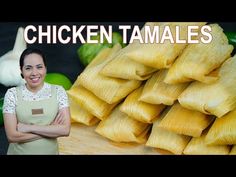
(88, 101)
(223, 131)
(125, 68)
(157, 92)
(217, 98)
(80, 115)
(165, 139)
(198, 60)
(162, 55)
(106, 88)
(100, 58)
(141, 111)
(197, 146)
(233, 150)
(184, 121)
(119, 127)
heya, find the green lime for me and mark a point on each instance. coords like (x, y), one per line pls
(1, 114)
(58, 79)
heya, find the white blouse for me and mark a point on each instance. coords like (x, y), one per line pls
(10, 99)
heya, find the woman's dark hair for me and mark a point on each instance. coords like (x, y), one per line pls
(31, 51)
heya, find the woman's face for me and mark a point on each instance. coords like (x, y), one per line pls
(34, 71)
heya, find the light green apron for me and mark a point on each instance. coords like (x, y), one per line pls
(40, 112)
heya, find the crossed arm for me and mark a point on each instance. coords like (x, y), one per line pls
(19, 132)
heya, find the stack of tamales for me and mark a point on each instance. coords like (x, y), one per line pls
(176, 97)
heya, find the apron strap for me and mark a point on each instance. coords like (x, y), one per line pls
(19, 93)
(53, 91)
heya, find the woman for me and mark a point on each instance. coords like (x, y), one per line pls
(35, 113)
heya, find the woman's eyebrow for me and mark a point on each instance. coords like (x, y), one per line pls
(35, 65)
(39, 64)
(28, 66)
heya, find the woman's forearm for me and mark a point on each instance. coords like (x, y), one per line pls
(14, 135)
(52, 131)
(59, 127)
(19, 137)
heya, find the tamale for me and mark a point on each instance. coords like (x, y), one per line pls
(162, 55)
(88, 101)
(139, 110)
(223, 131)
(184, 121)
(80, 115)
(198, 60)
(106, 88)
(157, 92)
(125, 68)
(197, 146)
(165, 139)
(217, 98)
(101, 57)
(119, 127)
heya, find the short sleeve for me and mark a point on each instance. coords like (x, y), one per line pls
(62, 97)
(9, 104)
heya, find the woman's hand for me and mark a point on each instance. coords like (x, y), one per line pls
(59, 119)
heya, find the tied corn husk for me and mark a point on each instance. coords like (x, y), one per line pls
(162, 55)
(88, 101)
(217, 98)
(197, 146)
(198, 60)
(157, 92)
(106, 88)
(80, 115)
(165, 139)
(119, 127)
(223, 131)
(184, 121)
(125, 68)
(139, 110)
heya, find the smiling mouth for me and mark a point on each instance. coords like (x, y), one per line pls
(35, 80)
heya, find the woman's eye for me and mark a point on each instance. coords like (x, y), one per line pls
(39, 67)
